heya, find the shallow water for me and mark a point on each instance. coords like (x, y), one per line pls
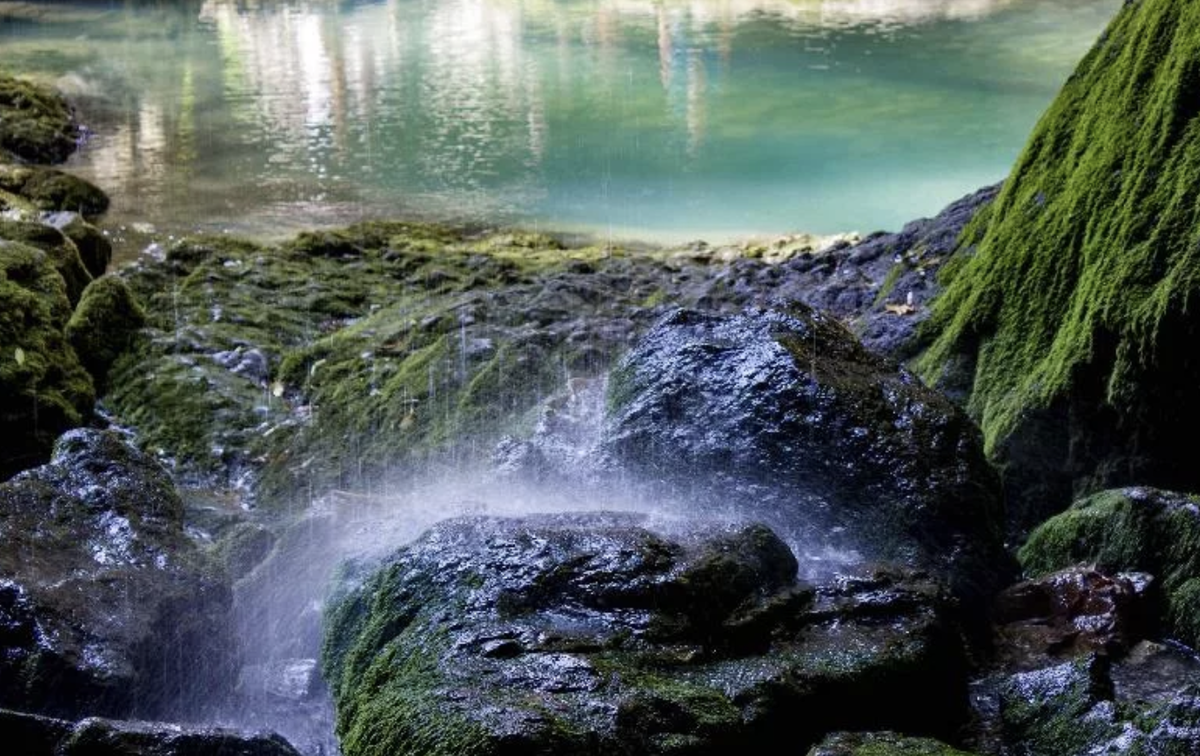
(665, 120)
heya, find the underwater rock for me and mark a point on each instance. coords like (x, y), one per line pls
(108, 608)
(36, 123)
(619, 633)
(104, 326)
(1070, 613)
(33, 735)
(1068, 320)
(45, 388)
(1126, 530)
(881, 744)
(785, 416)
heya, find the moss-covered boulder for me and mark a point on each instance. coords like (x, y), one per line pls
(613, 633)
(36, 124)
(1129, 529)
(104, 326)
(61, 251)
(33, 735)
(106, 607)
(94, 247)
(45, 388)
(1070, 318)
(784, 414)
(52, 190)
(881, 744)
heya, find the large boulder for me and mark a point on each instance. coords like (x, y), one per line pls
(52, 190)
(45, 388)
(618, 633)
(1131, 529)
(106, 607)
(36, 124)
(784, 416)
(1069, 318)
(33, 735)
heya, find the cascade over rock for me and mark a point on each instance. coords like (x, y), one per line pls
(1070, 317)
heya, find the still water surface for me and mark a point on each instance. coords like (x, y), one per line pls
(667, 119)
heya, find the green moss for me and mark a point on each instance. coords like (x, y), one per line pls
(61, 250)
(1088, 262)
(104, 326)
(882, 744)
(51, 189)
(35, 122)
(46, 391)
(1129, 530)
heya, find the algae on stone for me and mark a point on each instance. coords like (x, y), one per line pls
(36, 123)
(104, 326)
(1073, 312)
(45, 388)
(1132, 529)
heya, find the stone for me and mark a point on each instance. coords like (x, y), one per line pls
(785, 416)
(33, 735)
(94, 247)
(107, 607)
(621, 633)
(881, 744)
(1136, 529)
(45, 388)
(57, 246)
(104, 326)
(36, 124)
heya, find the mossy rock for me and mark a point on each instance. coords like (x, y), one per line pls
(606, 633)
(46, 388)
(1125, 530)
(36, 123)
(104, 326)
(61, 250)
(94, 247)
(881, 744)
(1073, 306)
(54, 190)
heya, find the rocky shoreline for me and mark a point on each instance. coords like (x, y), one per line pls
(483, 492)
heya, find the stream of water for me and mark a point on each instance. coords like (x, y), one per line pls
(666, 120)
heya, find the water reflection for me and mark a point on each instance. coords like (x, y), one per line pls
(672, 117)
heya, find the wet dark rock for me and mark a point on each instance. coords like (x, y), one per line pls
(33, 735)
(786, 416)
(286, 679)
(61, 251)
(104, 326)
(1074, 709)
(883, 285)
(615, 633)
(881, 744)
(45, 388)
(36, 123)
(94, 247)
(1131, 530)
(1071, 613)
(108, 608)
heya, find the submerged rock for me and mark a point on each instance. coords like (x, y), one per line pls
(1131, 529)
(105, 606)
(786, 416)
(45, 388)
(32, 735)
(614, 633)
(1069, 320)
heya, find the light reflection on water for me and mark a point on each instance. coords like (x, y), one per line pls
(661, 119)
